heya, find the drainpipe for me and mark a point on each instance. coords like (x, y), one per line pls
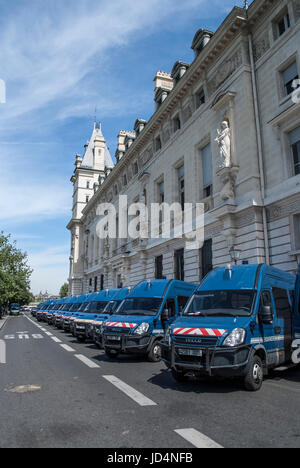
(260, 148)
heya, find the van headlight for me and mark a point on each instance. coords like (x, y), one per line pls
(235, 338)
(141, 329)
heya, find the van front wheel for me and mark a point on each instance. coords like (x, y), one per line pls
(255, 376)
(154, 354)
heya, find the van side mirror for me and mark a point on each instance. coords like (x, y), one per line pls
(266, 315)
(165, 315)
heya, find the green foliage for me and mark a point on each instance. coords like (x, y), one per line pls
(14, 273)
(64, 290)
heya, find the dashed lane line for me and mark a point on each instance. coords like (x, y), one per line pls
(197, 439)
(55, 339)
(138, 397)
(87, 361)
(67, 348)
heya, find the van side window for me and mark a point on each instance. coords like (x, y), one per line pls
(282, 303)
(265, 300)
(171, 307)
(182, 301)
(292, 296)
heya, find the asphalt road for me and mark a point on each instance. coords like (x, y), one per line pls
(56, 392)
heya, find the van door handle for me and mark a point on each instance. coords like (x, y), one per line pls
(277, 330)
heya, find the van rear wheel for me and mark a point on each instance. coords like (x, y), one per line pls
(179, 376)
(255, 376)
(111, 353)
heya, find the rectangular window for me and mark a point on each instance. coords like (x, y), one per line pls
(288, 76)
(200, 98)
(207, 171)
(206, 257)
(96, 283)
(296, 223)
(282, 24)
(180, 173)
(294, 140)
(179, 264)
(176, 124)
(101, 282)
(157, 144)
(159, 267)
(87, 199)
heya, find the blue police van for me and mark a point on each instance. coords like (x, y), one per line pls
(43, 307)
(92, 313)
(97, 328)
(241, 322)
(70, 316)
(140, 321)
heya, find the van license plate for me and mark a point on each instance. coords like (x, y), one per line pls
(191, 352)
(114, 338)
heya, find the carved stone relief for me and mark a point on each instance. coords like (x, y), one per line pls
(224, 71)
(296, 4)
(261, 46)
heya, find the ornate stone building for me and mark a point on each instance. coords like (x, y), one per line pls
(225, 132)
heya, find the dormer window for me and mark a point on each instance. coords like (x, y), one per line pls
(178, 71)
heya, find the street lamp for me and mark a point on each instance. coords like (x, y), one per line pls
(235, 254)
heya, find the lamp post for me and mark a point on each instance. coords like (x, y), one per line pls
(235, 254)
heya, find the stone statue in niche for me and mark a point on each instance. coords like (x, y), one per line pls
(224, 142)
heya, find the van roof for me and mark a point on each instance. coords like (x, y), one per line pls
(243, 277)
(158, 288)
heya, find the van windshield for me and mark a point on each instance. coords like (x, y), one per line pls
(229, 303)
(140, 306)
(75, 307)
(95, 306)
(111, 307)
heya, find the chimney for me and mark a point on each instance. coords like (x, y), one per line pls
(163, 86)
(124, 138)
(78, 161)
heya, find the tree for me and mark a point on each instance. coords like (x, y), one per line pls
(64, 290)
(15, 273)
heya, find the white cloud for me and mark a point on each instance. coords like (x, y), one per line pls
(63, 45)
(50, 267)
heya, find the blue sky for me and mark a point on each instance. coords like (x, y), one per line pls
(60, 60)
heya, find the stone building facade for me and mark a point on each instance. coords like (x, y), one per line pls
(242, 81)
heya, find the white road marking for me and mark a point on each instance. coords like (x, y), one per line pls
(57, 340)
(86, 361)
(197, 439)
(37, 336)
(23, 336)
(129, 391)
(2, 352)
(68, 348)
(48, 334)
